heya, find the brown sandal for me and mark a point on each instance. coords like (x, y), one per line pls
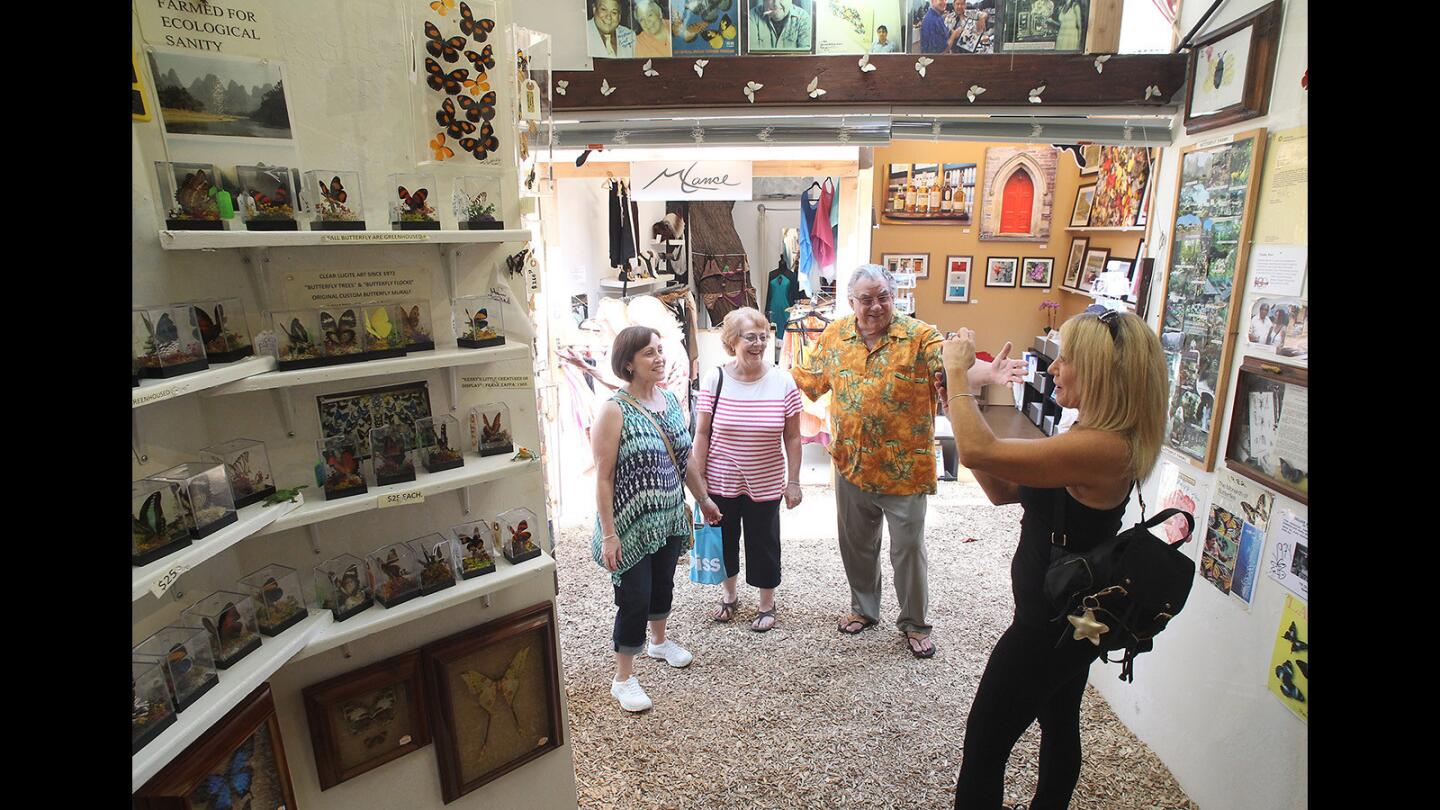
(725, 613)
(865, 623)
(755, 625)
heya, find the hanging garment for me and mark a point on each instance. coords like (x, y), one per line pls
(783, 292)
(805, 269)
(675, 216)
(834, 235)
(723, 271)
(802, 334)
(681, 302)
(822, 237)
(623, 211)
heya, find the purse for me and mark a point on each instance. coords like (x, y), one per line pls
(1124, 591)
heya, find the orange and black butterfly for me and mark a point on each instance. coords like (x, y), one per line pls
(343, 463)
(481, 147)
(441, 48)
(482, 61)
(476, 110)
(391, 566)
(228, 627)
(451, 83)
(415, 201)
(210, 327)
(520, 535)
(445, 117)
(479, 29)
(335, 192)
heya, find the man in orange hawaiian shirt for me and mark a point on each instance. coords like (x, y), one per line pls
(879, 367)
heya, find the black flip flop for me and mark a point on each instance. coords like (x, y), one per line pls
(930, 653)
(865, 623)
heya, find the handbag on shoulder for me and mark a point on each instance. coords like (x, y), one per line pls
(1124, 591)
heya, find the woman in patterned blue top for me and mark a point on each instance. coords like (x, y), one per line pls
(641, 447)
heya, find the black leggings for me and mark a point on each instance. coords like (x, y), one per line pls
(761, 522)
(1027, 678)
(644, 594)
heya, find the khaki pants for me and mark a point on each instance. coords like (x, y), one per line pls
(858, 515)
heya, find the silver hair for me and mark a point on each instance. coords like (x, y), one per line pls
(872, 272)
(647, 5)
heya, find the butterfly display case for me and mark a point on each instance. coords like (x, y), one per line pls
(340, 472)
(490, 429)
(186, 661)
(438, 438)
(297, 339)
(223, 329)
(534, 122)
(479, 322)
(247, 467)
(204, 494)
(152, 711)
(276, 591)
(333, 200)
(343, 341)
(229, 621)
(396, 573)
(193, 198)
(475, 547)
(417, 325)
(159, 525)
(393, 454)
(517, 538)
(476, 202)
(410, 204)
(342, 586)
(437, 557)
(267, 198)
(384, 336)
(166, 341)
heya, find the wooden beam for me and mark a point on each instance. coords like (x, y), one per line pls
(760, 168)
(1104, 33)
(1070, 81)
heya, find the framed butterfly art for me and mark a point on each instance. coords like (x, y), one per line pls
(453, 84)
(367, 717)
(238, 763)
(1269, 442)
(495, 696)
(356, 413)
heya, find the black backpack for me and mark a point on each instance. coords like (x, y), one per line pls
(1124, 591)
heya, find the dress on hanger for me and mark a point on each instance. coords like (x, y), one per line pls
(822, 238)
(806, 269)
(623, 211)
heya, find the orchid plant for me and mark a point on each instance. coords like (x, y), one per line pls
(1050, 308)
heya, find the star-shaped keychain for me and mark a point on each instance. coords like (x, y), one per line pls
(1088, 628)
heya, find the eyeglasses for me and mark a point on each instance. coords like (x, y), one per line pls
(867, 302)
(753, 337)
(1107, 316)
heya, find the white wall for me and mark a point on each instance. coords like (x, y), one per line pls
(1200, 699)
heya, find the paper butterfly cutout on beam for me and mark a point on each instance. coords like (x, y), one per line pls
(974, 91)
(922, 63)
(561, 85)
(750, 88)
(865, 66)
(1100, 62)
(814, 88)
(1153, 91)
(700, 67)
(649, 71)
(605, 88)
(1035, 93)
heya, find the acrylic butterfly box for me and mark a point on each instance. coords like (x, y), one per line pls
(476, 547)
(298, 340)
(223, 329)
(439, 443)
(519, 530)
(396, 573)
(247, 466)
(413, 197)
(416, 325)
(166, 341)
(229, 622)
(496, 695)
(340, 471)
(343, 586)
(365, 718)
(456, 101)
(384, 334)
(204, 495)
(185, 656)
(239, 762)
(159, 525)
(436, 557)
(479, 322)
(476, 203)
(393, 454)
(152, 711)
(333, 200)
(279, 602)
(191, 197)
(266, 200)
(490, 429)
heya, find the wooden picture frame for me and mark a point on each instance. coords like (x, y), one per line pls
(1233, 70)
(1211, 227)
(917, 263)
(1272, 469)
(1009, 267)
(1074, 262)
(1080, 214)
(509, 665)
(958, 271)
(252, 728)
(1031, 265)
(345, 717)
(1095, 259)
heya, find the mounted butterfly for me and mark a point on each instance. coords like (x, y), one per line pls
(333, 199)
(297, 343)
(342, 586)
(435, 554)
(339, 468)
(267, 198)
(342, 341)
(165, 341)
(394, 449)
(190, 192)
(223, 329)
(492, 420)
(438, 439)
(158, 524)
(152, 711)
(478, 322)
(276, 591)
(398, 582)
(204, 494)
(477, 543)
(229, 620)
(517, 527)
(184, 653)
(383, 335)
(475, 200)
(410, 209)
(415, 325)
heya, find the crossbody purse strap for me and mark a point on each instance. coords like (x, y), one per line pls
(644, 411)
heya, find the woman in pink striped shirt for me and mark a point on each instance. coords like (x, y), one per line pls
(746, 411)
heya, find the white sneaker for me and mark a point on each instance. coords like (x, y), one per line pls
(632, 698)
(674, 654)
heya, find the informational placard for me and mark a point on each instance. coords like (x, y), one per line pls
(1278, 269)
(1292, 442)
(508, 381)
(690, 180)
(234, 27)
(168, 578)
(328, 287)
(1289, 559)
(1180, 490)
(401, 498)
(1289, 677)
(1236, 503)
(1284, 214)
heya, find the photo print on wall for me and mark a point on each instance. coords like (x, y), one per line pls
(226, 96)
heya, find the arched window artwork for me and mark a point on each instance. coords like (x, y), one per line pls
(1017, 203)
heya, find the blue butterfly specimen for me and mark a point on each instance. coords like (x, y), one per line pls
(223, 791)
(1286, 673)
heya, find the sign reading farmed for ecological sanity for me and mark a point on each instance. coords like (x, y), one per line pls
(234, 28)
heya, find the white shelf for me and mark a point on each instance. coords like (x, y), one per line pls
(377, 617)
(477, 470)
(150, 392)
(1113, 229)
(211, 240)
(253, 519)
(235, 683)
(420, 361)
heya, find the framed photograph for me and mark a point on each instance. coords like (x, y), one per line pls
(238, 762)
(1089, 158)
(227, 96)
(1269, 425)
(1084, 200)
(957, 279)
(364, 719)
(1279, 328)
(1230, 71)
(1057, 26)
(1000, 271)
(495, 692)
(779, 26)
(1095, 259)
(1214, 213)
(1019, 193)
(1126, 266)
(1075, 262)
(609, 29)
(652, 28)
(695, 33)
(929, 194)
(1120, 192)
(1036, 272)
(356, 413)
(917, 263)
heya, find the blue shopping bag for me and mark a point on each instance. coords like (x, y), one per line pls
(707, 558)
